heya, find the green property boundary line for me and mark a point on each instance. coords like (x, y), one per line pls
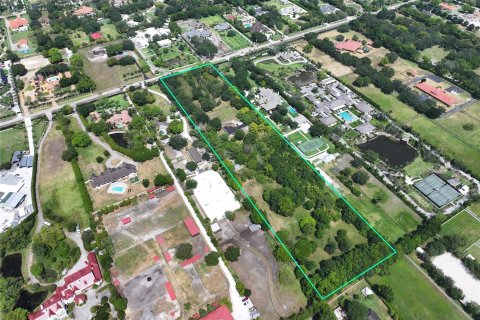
(323, 297)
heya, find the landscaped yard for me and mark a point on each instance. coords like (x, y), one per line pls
(58, 188)
(12, 139)
(416, 297)
(236, 42)
(464, 225)
(280, 70)
(79, 38)
(109, 31)
(32, 42)
(178, 55)
(435, 54)
(417, 167)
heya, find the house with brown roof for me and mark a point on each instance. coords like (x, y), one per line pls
(120, 120)
(84, 11)
(22, 44)
(18, 24)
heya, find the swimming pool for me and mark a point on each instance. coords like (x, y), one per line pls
(292, 110)
(117, 188)
(347, 116)
(247, 25)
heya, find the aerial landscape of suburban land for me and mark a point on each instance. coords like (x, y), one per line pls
(239, 159)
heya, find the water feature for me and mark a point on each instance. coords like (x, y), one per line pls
(302, 78)
(394, 153)
(347, 116)
(12, 265)
(30, 300)
(119, 139)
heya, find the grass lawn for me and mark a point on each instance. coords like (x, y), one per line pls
(12, 139)
(435, 54)
(177, 55)
(236, 42)
(87, 156)
(392, 218)
(109, 29)
(107, 77)
(455, 124)
(279, 70)
(474, 251)
(430, 130)
(58, 187)
(224, 112)
(38, 128)
(473, 110)
(463, 224)
(79, 38)
(417, 167)
(372, 302)
(415, 296)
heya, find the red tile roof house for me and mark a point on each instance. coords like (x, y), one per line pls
(120, 120)
(221, 313)
(96, 36)
(22, 44)
(72, 291)
(83, 11)
(349, 45)
(437, 93)
(18, 24)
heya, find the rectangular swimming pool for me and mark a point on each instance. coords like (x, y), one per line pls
(347, 116)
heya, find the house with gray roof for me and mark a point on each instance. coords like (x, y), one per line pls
(365, 128)
(17, 155)
(201, 33)
(336, 105)
(222, 27)
(269, 99)
(363, 107)
(110, 175)
(329, 121)
(26, 162)
(196, 156)
(327, 8)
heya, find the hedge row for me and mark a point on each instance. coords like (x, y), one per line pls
(87, 202)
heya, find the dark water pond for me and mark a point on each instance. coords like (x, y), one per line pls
(394, 153)
(302, 78)
(30, 300)
(12, 265)
(119, 139)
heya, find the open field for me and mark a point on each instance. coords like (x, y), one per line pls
(58, 188)
(474, 251)
(464, 225)
(29, 35)
(39, 126)
(12, 139)
(435, 53)
(417, 167)
(108, 77)
(415, 296)
(79, 38)
(279, 70)
(466, 127)
(109, 31)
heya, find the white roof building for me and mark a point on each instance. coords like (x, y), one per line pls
(214, 196)
(165, 43)
(10, 183)
(144, 37)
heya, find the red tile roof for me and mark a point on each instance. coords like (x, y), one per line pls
(437, 93)
(126, 220)
(170, 188)
(160, 239)
(17, 23)
(156, 258)
(151, 196)
(167, 256)
(193, 259)
(22, 42)
(171, 293)
(191, 226)
(221, 313)
(96, 36)
(349, 45)
(79, 299)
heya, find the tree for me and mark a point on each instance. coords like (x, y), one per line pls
(184, 251)
(211, 259)
(191, 165)
(307, 225)
(318, 129)
(145, 183)
(37, 269)
(54, 55)
(331, 246)
(340, 37)
(231, 33)
(384, 291)
(98, 128)
(379, 196)
(356, 310)
(85, 84)
(342, 240)
(232, 253)
(81, 139)
(361, 177)
(162, 180)
(142, 97)
(191, 184)
(258, 37)
(239, 135)
(99, 159)
(215, 124)
(10, 289)
(177, 142)
(175, 127)
(16, 314)
(18, 69)
(182, 176)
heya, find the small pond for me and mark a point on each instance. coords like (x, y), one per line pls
(394, 153)
(119, 139)
(12, 265)
(30, 300)
(302, 78)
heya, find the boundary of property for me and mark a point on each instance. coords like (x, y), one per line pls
(335, 191)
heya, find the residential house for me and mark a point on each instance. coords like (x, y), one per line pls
(143, 38)
(222, 27)
(73, 290)
(200, 33)
(110, 175)
(349, 45)
(269, 99)
(22, 44)
(96, 36)
(327, 8)
(120, 120)
(165, 43)
(365, 128)
(44, 21)
(84, 11)
(18, 24)
(196, 156)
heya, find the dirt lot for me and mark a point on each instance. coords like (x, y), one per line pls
(143, 270)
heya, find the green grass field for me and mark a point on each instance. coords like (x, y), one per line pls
(463, 224)
(179, 54)
(79, 38)
(39, 126)
(474, 251)
(455, 125)
(236, 42)
(12, 139)
(415, 296)
(452, 144)
(279, 70)
(29, 35)
(417, 167)
(435, 54)
(109, 31)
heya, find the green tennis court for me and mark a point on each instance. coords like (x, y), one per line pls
(308, 145)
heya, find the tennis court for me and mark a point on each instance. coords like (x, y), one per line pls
(308, 145)
(436, 190)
